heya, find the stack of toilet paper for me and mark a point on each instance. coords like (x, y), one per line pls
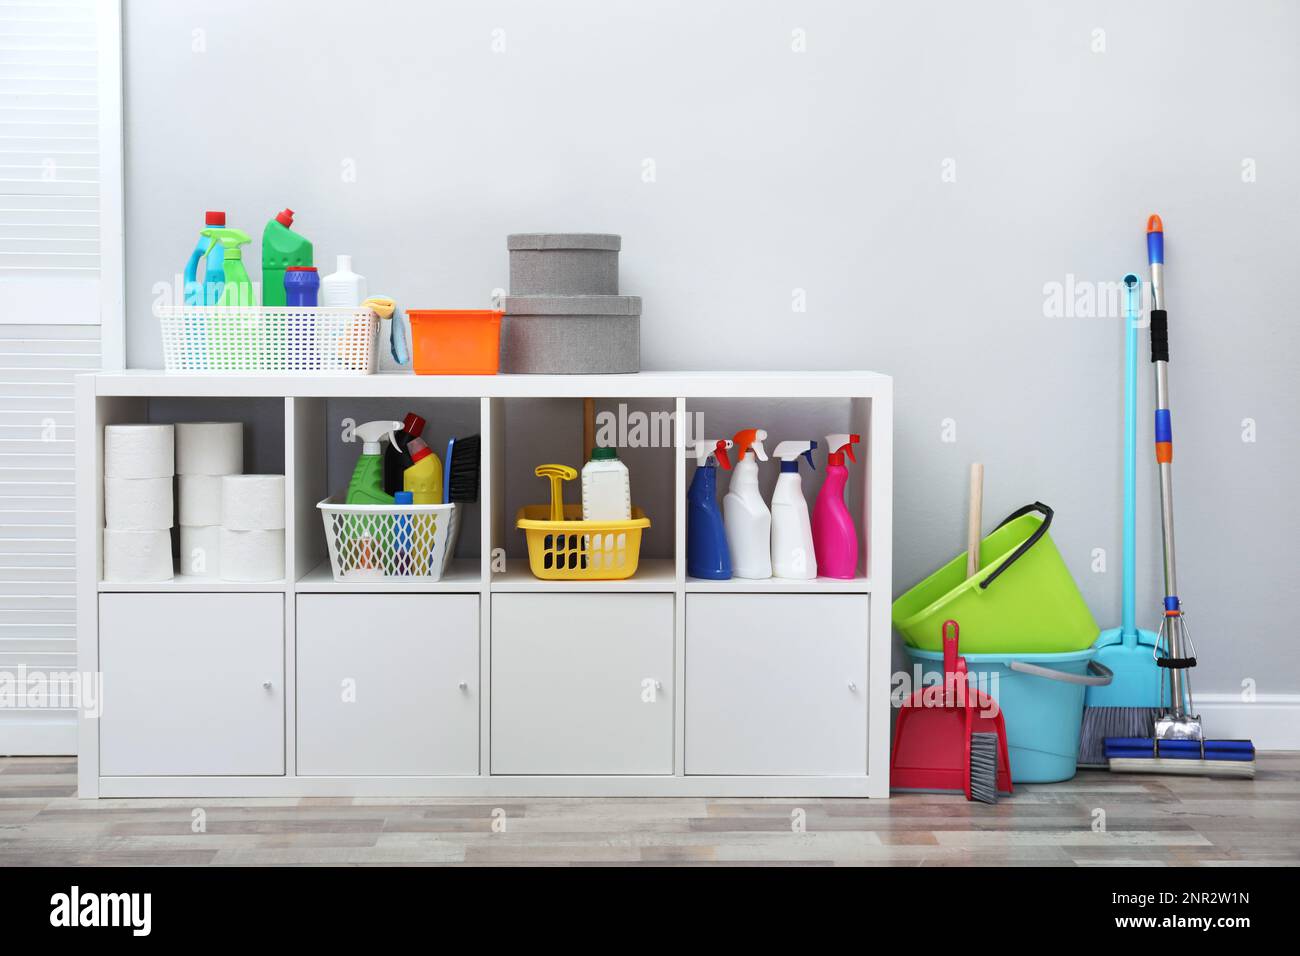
(252, 527)
(206, 452)
(138, 504)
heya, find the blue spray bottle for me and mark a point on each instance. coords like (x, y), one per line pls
(214, 275)
(707, 554)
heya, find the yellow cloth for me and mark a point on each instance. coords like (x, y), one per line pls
(382, 305)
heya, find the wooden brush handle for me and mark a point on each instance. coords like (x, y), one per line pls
(973, 520)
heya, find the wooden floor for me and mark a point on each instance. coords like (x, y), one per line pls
(1149, 821)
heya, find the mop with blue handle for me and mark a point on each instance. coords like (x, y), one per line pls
(1177, 744)
(1130, 703)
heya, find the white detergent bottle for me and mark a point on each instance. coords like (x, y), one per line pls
(793, 555)
(748, 522)
(343, 288)
(606, 487)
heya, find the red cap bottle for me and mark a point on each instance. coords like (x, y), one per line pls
(413, 424)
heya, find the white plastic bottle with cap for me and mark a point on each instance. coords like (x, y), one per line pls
(343, 288)
(606, 487)
(793, 555)
(748, 522)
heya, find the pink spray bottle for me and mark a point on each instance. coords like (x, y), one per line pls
(835, 539)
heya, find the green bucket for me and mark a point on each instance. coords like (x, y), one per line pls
(1023, 601)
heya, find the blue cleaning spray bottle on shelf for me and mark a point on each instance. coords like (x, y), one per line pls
(793, 555)
(208, 291)
(748, 520)
(707, 554)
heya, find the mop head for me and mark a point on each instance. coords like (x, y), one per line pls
(1209, 758)
(984, 767)
(1102, 722)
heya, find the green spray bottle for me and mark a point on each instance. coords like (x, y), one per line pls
(367, 484)
(238, 288)
(281, 248)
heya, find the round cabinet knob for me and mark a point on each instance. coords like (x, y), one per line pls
(266, 684)
(462, 685)
(658, 686)
(853, 688)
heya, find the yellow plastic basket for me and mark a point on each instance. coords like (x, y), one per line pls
(577, 550)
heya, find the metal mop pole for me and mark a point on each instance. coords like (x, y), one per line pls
(1177, 722)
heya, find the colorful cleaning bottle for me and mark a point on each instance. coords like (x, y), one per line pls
(424, 477)
(398, 459)
(793, 553)
(404, 536)
(835, 539)
(281, 248)
(707, 554)
(197, 293)
(367, 484)
(748, 521)
(238, 287)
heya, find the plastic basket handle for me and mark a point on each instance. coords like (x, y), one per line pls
(1101, 674)
(1025, 545)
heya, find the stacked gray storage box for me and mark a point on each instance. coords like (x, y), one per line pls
(564, 314)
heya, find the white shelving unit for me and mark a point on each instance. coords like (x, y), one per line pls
(490, 681)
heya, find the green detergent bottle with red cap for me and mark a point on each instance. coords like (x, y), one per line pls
(281, 249)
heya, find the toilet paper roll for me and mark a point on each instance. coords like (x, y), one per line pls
(252, 502)
(209, 448)
(200, 500)
(138, 504)
(252, 555)
(137, 555)
(139, 451)
(200, 551)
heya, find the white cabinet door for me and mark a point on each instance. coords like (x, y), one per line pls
(193, 684)
(776, 684)
(582, 683)
(388, 684)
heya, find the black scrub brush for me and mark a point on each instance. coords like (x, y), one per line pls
(461, 477)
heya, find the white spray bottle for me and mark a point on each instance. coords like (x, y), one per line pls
(793, 555)
(749, 523)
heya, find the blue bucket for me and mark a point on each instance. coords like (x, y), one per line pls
(1041, 698)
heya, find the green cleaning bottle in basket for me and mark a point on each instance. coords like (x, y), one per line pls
(281, 248)
(238, 288)
(367, 484)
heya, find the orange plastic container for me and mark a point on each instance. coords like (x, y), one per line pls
(455, 341)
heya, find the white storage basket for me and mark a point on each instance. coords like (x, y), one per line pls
(389, 542)
(207, 338)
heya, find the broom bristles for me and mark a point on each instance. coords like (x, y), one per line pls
(984, 767)
(1102, 722)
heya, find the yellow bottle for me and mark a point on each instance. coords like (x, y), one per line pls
(424, 478)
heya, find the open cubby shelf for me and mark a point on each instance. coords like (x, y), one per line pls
(712, 646)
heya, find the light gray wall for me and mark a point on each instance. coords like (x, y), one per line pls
(821, 170)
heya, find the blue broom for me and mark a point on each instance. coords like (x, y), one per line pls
(1129, 704)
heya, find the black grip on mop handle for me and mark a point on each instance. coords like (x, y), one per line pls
(1176, 663)
(1159, 335)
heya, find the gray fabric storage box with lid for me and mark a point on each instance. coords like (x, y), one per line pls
(571, 334)
(563, 263)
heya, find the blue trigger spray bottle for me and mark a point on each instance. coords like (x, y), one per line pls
(214, 275)
(707, 554)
